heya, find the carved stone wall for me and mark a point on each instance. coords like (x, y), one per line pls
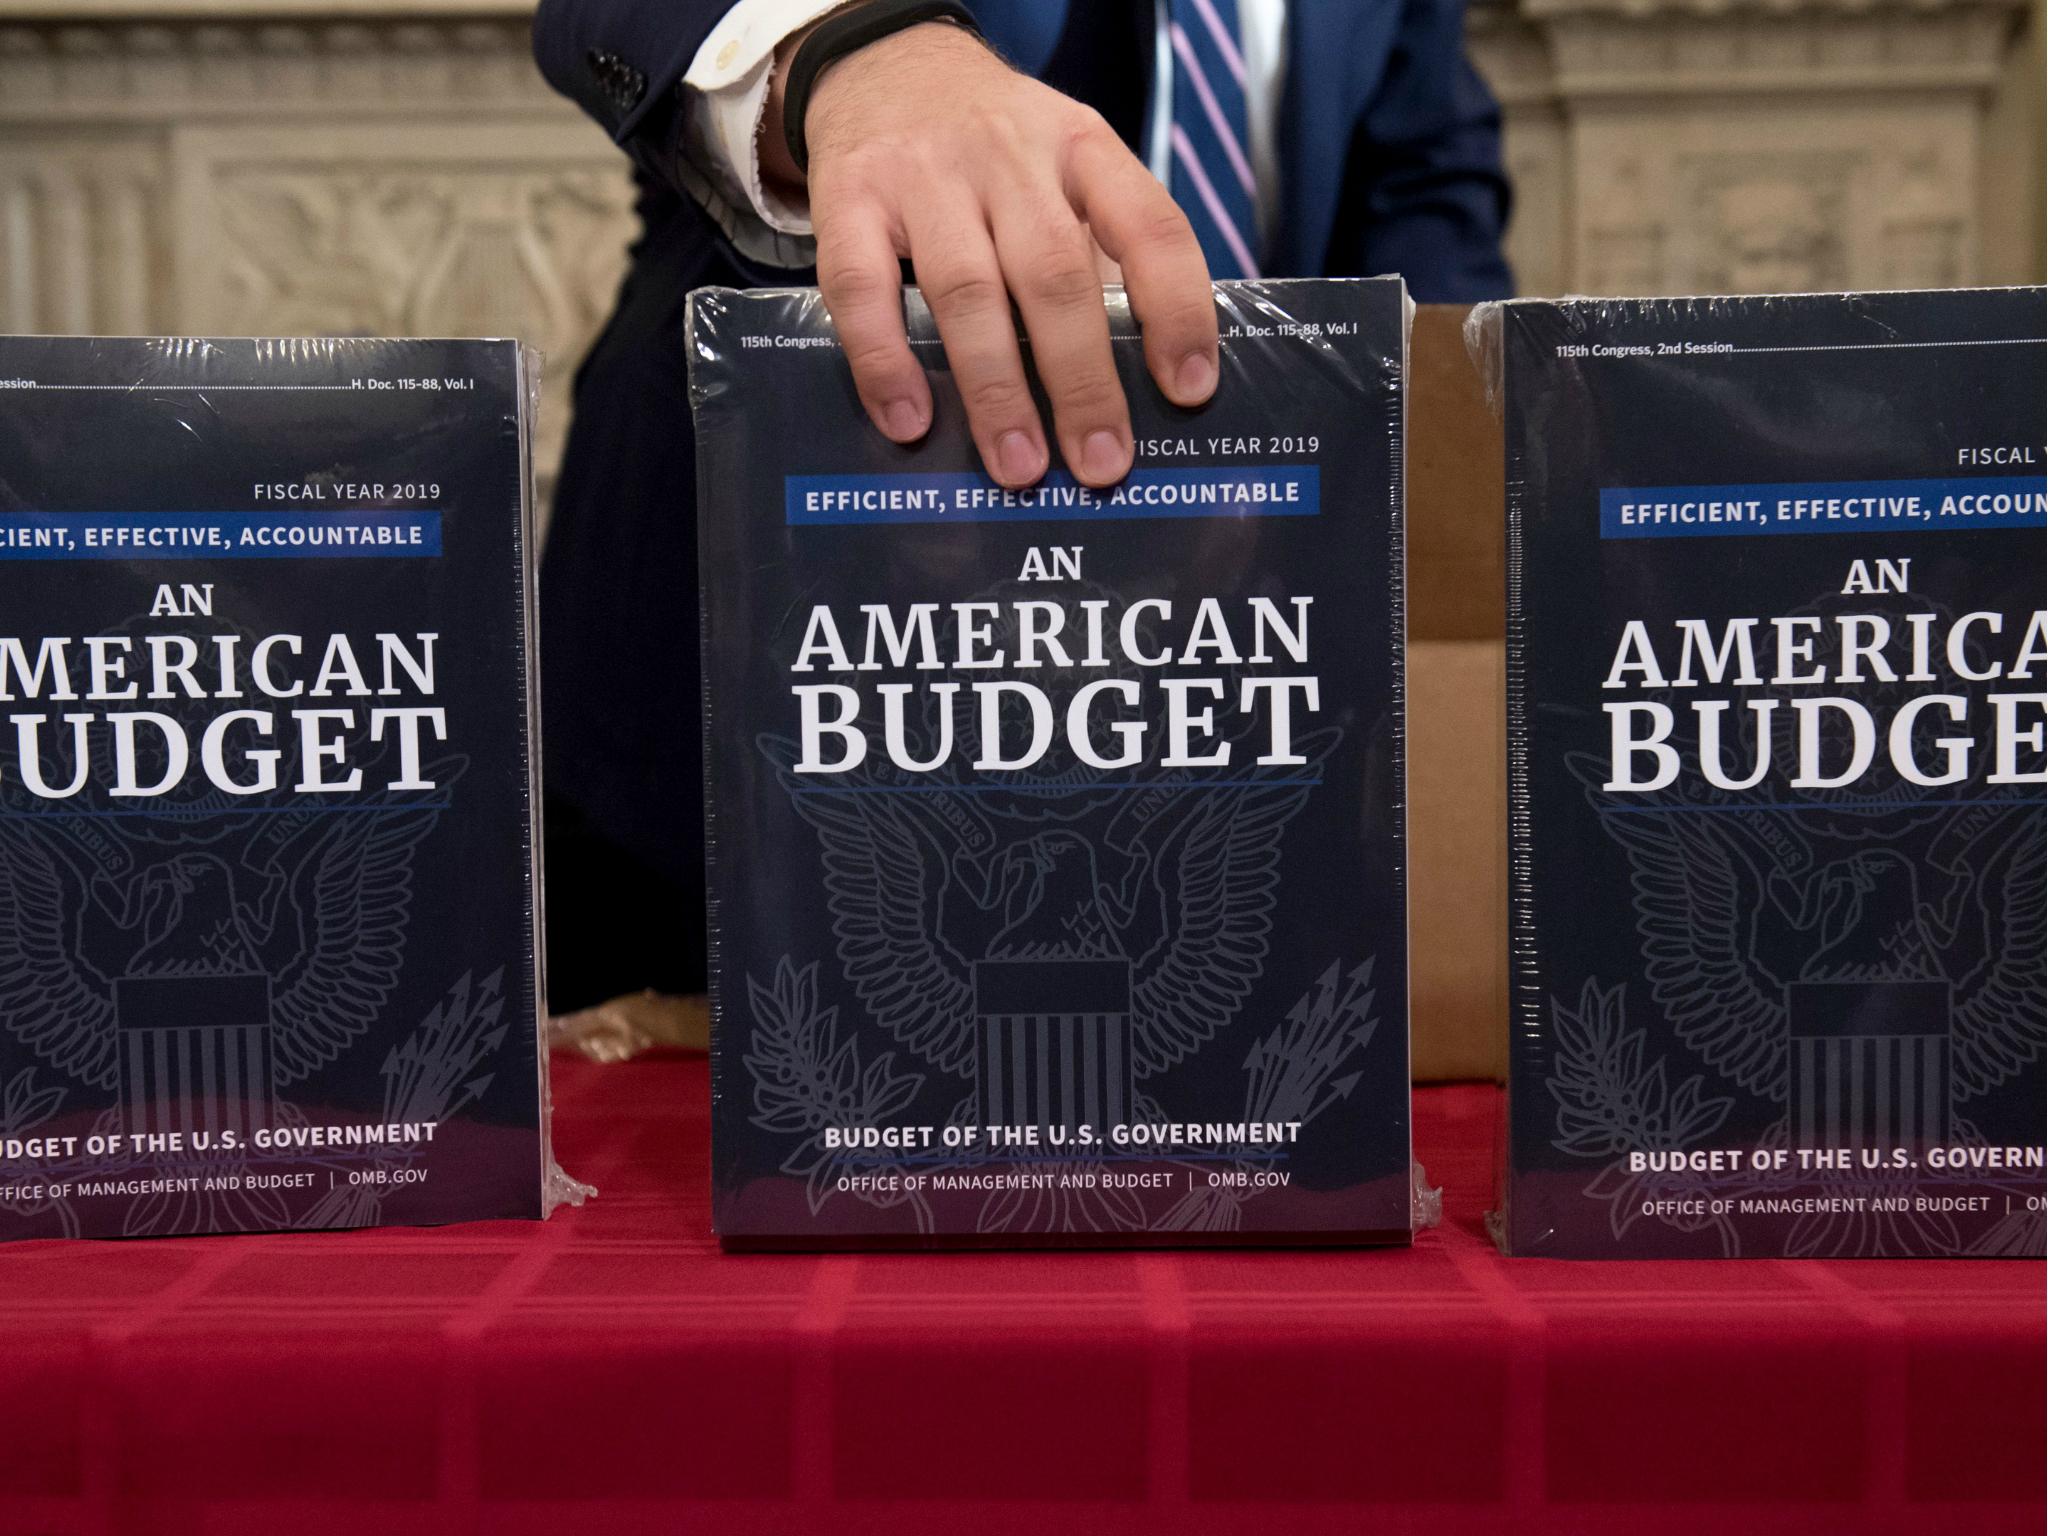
(1739, 146)
(234, 170)
(397, 166)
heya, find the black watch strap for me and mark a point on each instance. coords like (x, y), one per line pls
(837, 36)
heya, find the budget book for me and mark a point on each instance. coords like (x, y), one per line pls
(268, 884)
(1056, 836)
(1777, 681)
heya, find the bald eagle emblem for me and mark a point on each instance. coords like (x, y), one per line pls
(192, 962)
(1056, 941)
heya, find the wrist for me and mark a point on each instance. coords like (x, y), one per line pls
(897, 41)
(902, 58)
(778, 166)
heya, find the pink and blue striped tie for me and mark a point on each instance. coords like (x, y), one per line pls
(1212, 170)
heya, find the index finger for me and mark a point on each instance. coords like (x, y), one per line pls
(1138, 225)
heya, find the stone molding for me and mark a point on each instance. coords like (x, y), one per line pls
(1698, 146)
(187, 70)
(364, 165)
(292, 168)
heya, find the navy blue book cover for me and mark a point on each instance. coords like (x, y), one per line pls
(1777, 677)
(268, 907)
(1056, 838)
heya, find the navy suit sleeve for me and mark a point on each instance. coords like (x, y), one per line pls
(620, 60)
(1430, 196)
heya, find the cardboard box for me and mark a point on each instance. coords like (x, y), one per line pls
(1457, 751)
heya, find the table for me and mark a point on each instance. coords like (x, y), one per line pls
(612, 1371)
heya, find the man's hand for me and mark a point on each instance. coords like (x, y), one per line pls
(925, 145)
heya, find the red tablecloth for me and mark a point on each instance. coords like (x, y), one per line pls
(611, 1371)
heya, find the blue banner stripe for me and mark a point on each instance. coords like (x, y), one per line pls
(219, 535)
(1279, 490)
(1849, 506)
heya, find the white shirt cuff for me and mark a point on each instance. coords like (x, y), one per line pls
(725, 99)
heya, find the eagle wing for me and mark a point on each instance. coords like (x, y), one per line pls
(884, 877)
(1694, 920)
(49, 1000)
(352, 918)
(1225, 879)
(1998, 1007)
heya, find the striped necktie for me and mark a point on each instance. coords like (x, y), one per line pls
(1212, 170)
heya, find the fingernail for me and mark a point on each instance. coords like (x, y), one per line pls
(1196, 377)
(1017, 457)
(1103, 456)
(905, 419)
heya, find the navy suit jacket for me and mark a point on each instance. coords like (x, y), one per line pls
(1389, 143)
(1389, 149)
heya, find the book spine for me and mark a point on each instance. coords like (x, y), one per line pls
(1525, 991)
(1397, 605)
(710, 496)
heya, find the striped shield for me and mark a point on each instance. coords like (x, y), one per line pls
(195, 1054)
(1054, 1041)
(1870, 1062)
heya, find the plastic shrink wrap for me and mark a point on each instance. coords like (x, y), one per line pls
(269, 885)
(1057, 837)
(1777, 676)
